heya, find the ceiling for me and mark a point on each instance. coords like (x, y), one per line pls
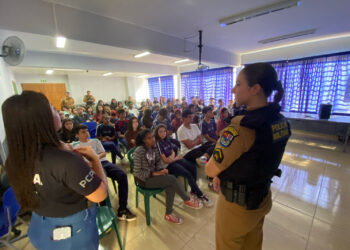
(183, 18)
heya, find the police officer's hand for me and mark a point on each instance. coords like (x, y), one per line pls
(216, 184)
(87, 152)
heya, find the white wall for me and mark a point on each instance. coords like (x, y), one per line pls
(6, 90)
(137, 88)
(104, 88)
(32, 78)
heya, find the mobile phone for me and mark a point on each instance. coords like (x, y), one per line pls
(62, 233)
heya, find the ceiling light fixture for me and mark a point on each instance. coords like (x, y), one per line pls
(182, 60)
(107, 74)
(146, 53)
(260, 11)
(49, 72)
(288, 36)
(60, 42)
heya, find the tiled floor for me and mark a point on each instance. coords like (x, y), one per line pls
(310, 210)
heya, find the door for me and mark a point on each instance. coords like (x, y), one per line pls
(54, 92)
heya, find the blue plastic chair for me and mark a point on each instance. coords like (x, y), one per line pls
(92, 128)
(8, 217)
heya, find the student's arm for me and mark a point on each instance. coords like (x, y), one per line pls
(169, 159)
(206, 136)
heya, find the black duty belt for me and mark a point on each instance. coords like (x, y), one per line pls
(243, 195)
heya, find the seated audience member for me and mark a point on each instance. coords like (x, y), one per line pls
(208, 126)
(100, 102)
(178, 166)
(133, 129)
(120, 105)
(237, 109)
(147, 120)
(156, 109)
(148, 173)
(190, 138)
(201, 104)
(155, 101)
(66, 134)
(132, 111)
(89, 99)
(62, 115)
(67, 101)
(80, 117)
(112, 170)
(177, 104)
(212, 103)
(220, 104)
(177, 121)
(106, 134)
(141, 112)
(162, 118)
(230, 107)
(114, 117)
(121, 126)
(169, 106)
(90, 113)
(222, 122)
(113, 104)
(183, 105)
(148, 103)
(98, 114)
(106, 110)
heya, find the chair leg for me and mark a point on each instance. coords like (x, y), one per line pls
(115, 227)
(137, 198)
(147, 210)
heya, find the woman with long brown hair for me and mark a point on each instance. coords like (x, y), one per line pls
(53, 183)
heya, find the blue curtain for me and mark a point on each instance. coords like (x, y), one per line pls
(216, 83)
(167, 87)
(153, 88)
(313, 81)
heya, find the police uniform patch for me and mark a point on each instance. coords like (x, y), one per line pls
(218, 155)
(228, 136)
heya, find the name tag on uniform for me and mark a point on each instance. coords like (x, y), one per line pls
(279, 130)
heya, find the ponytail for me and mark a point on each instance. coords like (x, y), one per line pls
(280, 92)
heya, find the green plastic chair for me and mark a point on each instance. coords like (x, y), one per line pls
(131, 159)
(106, 220)
(147, 193)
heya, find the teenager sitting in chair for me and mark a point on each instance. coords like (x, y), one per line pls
(112, 170)
(105, 133)
(148, 173)
(121, 126)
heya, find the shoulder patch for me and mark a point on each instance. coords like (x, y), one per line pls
(228, 136)
(279, 130)
(218, 155)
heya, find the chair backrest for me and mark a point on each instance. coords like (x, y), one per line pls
(130, 155)
(92, 128)
(10, 204)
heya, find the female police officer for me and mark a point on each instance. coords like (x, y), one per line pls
(246, 157)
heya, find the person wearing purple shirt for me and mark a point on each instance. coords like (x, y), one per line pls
(178, 166)
(209, 130)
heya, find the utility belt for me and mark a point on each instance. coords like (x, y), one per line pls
(243, 195)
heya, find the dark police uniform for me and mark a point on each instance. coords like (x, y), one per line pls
(248, 153)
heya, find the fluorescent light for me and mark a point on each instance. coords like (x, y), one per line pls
(343, 35)
(142, 76)
(107, 74)
(182, 60)
(146, 53)
(262, 10)
(49, 72)
(60, 42)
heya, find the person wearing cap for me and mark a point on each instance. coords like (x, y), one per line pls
(190, 139)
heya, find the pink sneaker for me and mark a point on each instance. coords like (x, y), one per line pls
(193, 203)
(173, 218)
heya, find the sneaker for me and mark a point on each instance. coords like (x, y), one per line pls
(173, 218)
(193, 203)
(211, 186)
(206, 201)
(126, 215)
(201, 161)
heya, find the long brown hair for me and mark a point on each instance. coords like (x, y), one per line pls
(29, 127)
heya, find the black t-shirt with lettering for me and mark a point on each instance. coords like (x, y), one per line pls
(62, 180)
(103, 131)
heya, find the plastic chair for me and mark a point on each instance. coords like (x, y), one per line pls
(106, 220)
(147, 193)
(185, 181)
(131, 159)
(8, 217)
(92, 128)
